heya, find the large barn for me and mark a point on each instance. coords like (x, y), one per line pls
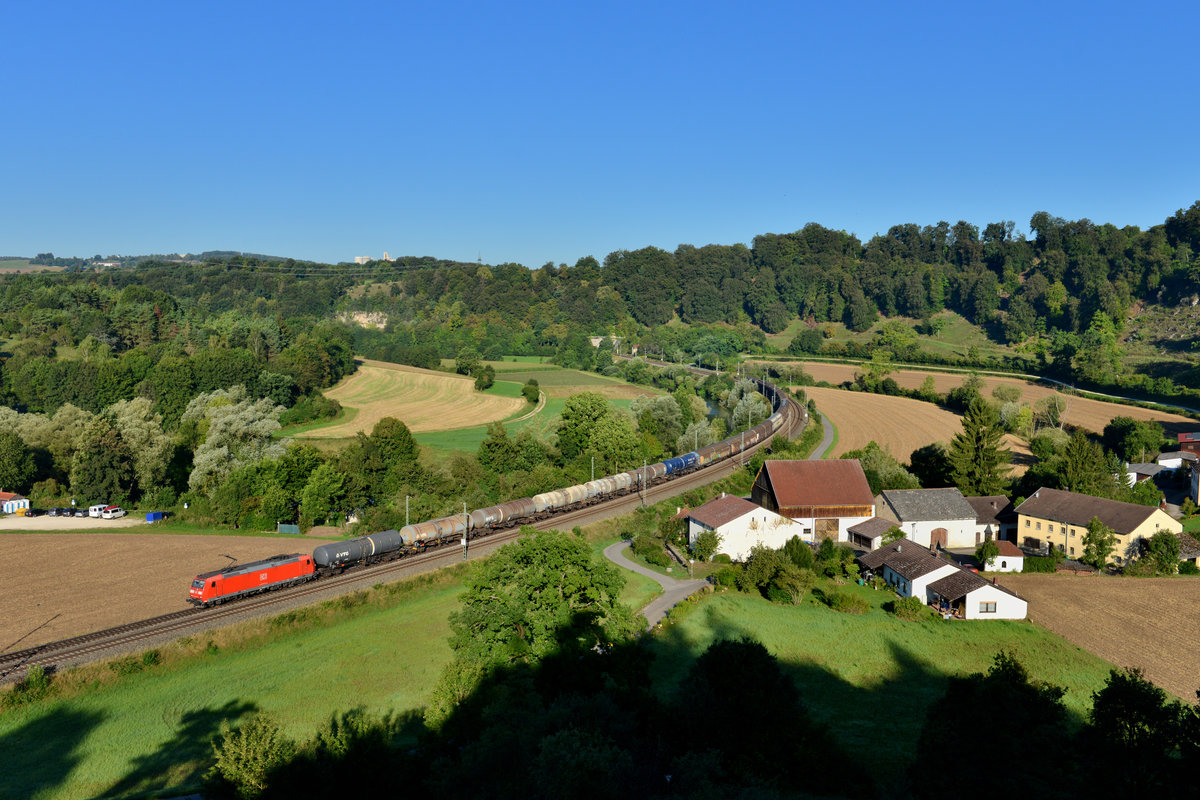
(825, 497)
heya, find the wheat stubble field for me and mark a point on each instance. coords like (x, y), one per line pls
(1133, 622)
(423, 399)
(1082, 412)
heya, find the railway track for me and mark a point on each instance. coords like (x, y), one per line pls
(135, 636)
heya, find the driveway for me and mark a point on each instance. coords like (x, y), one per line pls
(674, 591)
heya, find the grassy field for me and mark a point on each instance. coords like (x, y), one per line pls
(150, 731)
(871, 678)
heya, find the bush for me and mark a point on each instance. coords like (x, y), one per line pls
(777, 594)
(909, 608)
(722, 558)
(33, 687)
(651, 550)
(1188, 568)
(246, 755)
(1038, 564)
(726, 577)
(847, 603)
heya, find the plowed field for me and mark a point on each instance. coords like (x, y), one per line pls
(1082, 412)
(1150, 623)
(58, 585)
(899, 424)
(423, 399)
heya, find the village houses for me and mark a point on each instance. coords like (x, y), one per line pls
(827, 498)
(1054, 518)
(742, 525)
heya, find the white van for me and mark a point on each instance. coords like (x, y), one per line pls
(96, 511)
(112, 512)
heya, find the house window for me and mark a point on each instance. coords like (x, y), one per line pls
(1026, 523)
(1039, 526)
(1072, 551)
(987, 608)
(1003, 565)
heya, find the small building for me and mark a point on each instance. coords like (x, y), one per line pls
(868, 535)
(907, 567)
(1189, 548)
(931, 517)
(825, 497)
(1189, 442)
(994, 518)
(1010, 558)
(11, 502)
(965, 595)
(1136, 473)
(915, 571)
(1054, 518)
(741, 525)
(1176, 460)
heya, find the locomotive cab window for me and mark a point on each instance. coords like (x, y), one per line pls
(197, 584)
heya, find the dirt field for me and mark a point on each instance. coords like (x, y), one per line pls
(1134, 622)
(424, 399)
(53, 586)
(1085, 413)
(11, 522)
(899, 424)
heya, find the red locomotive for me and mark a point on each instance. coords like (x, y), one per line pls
(241, 580)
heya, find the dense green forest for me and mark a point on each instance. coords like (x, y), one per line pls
(166, 381)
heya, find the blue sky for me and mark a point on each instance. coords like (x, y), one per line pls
(534, 132)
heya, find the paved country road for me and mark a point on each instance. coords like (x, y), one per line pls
(674, 591)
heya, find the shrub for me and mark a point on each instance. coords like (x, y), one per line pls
(650, 549)
(726, 577)
(847, 603)
(722, 558)
(777, 594)
(908, 608)
(34, 686)
(246, 755)
(1188, 568)
(1038, 564)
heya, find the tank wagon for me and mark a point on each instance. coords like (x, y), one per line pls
(391, 544)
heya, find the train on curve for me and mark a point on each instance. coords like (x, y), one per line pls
(214, 588)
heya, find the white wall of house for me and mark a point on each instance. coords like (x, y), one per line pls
(844, 525)
(757, 527)
(915, 588)
(1007, 606)
(1005, 564)
(959, 532)
(10, 506)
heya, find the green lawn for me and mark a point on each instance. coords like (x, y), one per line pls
(1192, 524)
(872, 677)
(151, 731)
(639, 590)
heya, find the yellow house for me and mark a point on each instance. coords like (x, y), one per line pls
(1052, 517)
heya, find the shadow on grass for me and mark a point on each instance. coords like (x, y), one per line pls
(182, 760)
(40, 754)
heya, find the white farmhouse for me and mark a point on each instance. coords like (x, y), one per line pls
(741, 525)
(931, 517)
(907, 567)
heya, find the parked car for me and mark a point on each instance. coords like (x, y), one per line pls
(112, 512)
(81, 512)
(53, 512)
(96, 511)
(34, 512)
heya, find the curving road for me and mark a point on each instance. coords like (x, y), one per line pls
(826, 440)
(674, 591)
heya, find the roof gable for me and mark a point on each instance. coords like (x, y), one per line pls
(913, 505)
(722, 510)
(838, 482)
(992, 508)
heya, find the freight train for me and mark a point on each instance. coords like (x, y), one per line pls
(237, 581)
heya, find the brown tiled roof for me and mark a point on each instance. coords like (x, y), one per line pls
(1078, 509)
(716, 513)
(958, 584)
(1008, 549)
(875, 558)
(872, 528)
(1189, 548)
(837, 482)
(912, 563)
(992, 508)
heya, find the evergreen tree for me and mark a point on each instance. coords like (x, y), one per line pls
(977, 461)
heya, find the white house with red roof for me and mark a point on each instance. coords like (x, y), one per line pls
(1010, 558)
(741, 525)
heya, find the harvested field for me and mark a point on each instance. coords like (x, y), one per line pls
(562, 383)
(62, 585)
(898, 424)
(423, 399)
(1133, 622)
(1083, 412)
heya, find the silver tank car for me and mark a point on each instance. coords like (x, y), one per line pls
(352, 550)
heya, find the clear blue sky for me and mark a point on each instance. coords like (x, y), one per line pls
(539, 131)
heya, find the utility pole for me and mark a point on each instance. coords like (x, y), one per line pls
(466, 530)
(406, 511)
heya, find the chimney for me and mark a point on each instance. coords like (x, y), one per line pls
(994, 582)
(898, 547)
(722, 495)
